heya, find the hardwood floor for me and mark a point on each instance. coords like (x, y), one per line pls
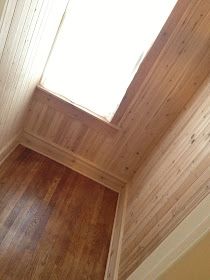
(54, 222)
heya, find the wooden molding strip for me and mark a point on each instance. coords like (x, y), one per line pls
(9, 148)
(113, 261)
(72, 161)
(64, 106)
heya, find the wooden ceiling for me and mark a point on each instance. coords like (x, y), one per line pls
(169, 76)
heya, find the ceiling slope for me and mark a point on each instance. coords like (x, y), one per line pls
(171, 73)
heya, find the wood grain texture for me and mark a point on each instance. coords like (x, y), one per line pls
(72, 161)
(171, 184)
(113, 261)
(183, 237)
(27, 30)
(172, 176)
(7, 149)
(54, 222)
(172, 72)
(64, 106)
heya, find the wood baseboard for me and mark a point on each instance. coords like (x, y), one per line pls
(112, 267)
(9, 148)
(72, 161)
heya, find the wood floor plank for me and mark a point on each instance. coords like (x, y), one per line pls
(54, 222)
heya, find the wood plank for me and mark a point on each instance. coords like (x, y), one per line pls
(154, 106)
(113, 261)
(173, 247)
(169, 78)
(170, 75)
(71, 160)
(64, 106)
(27, 30)
(172, 183)
(160, 91)
(150, 60)
(41, 198)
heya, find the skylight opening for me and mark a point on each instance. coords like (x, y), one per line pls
(99, 48)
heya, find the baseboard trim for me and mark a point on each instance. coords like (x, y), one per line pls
(9, 148)
(112, 267)
(72, 161)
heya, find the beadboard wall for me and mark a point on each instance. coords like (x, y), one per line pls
(172, 183)
(27, 30)
(169, 76)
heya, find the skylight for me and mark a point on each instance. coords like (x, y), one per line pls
(99, 47)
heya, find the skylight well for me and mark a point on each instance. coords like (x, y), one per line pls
(99, 47)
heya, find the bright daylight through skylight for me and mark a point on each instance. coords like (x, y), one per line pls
(99, 47)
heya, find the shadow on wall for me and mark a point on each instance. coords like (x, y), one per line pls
(2, 2)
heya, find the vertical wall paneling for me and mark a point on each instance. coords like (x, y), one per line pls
(173, 246)
(27, 31)
(170, 177)
(177, 66)
(174, 179)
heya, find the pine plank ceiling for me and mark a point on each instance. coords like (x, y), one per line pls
(169, 76)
